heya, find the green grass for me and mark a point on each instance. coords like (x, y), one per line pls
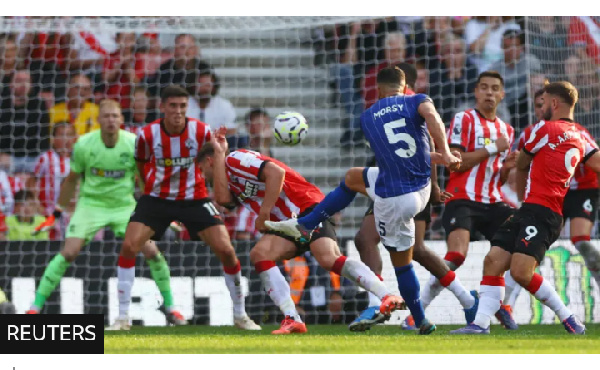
(337, 339)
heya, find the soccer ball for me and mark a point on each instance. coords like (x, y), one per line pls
(290, 128)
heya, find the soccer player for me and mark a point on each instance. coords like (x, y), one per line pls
(274, 191)
(367, 240)
(580, 207)
(103, 160)
(476, 205)
(396, 127)
(174, 190)
(545, 167)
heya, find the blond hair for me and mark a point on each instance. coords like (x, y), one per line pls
(109, 103)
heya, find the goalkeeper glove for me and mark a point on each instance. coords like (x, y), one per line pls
(48, 222)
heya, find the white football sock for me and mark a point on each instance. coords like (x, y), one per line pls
(234, 285)
(431, 290)
(463, 295)
(512, 290)
(490, 297)
(374, 300)
(548, 296)
(125, 278)
(361, 275)
(279, 290)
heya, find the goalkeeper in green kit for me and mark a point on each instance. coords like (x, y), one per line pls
(104, 161)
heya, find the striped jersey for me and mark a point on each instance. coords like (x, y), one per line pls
(584, 177)
(171, 171)
(470, 131)
(50, 170)
(398, 137)
(9, 186)
(558, 148)
(244, 168)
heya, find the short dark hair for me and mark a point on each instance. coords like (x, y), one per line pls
(207, 150)
(255, 112)
(23, 195)
(173, 91)
(181, 35)
(391, 76)
(514, 33)
(410, 73)
(490, 74)
(538, 93)
(61, 124)
(564, 90)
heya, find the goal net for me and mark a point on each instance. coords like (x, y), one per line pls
(56, 70)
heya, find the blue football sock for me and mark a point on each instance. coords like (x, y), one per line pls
(409, 290)
(334, 202)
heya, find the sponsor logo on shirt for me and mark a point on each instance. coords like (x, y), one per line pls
(108, 174)
(175, 162)
(250, 190)
(483, 141)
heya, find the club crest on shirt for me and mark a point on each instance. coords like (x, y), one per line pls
(124, 158)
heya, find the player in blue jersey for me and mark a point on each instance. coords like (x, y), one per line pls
(396, 127)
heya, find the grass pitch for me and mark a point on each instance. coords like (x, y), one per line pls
(338, 339)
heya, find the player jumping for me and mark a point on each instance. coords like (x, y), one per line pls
(103, 160)
(545, 167)
(174, 190)
(400, 186)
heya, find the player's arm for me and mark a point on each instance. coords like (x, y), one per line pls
(472, 159)
(509, 163)
(522, 165)
(223, 195)
(437, 131)
(273, 176)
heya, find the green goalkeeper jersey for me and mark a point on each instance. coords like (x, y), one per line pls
(107, 174)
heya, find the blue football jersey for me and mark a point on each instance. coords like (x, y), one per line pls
(398, 136)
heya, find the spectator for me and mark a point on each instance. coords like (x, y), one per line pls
(24, 131)
(258, 124)
(240, 224)
(26, 218)
(514, 68)
(422, 83)
(587, 110)
(78, 109)
(148, 55)
(88, 52)
(137, 116)
(572, 68)
(429, 41)
(206, 105)
(548, 42)
(395, 53)
(454, 82)
(119, 71)
(584, 31)
(8, 63)
(484, 40)
(179, 70)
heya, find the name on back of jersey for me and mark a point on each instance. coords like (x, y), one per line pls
(564, 137)
(175, 162)
(390, 109)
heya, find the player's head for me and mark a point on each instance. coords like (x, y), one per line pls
(110, 117)
(390, 81)
(174, 103)
(489, 91)
(206, 160)
(538, 104)
(25, 203)
(410, 74)
(63, 137)
(559, 100)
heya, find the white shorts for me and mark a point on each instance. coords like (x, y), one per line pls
(394, 216)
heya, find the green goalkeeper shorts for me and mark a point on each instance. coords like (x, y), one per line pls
(87, 220)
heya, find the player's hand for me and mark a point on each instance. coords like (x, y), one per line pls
(259, 224)
(46, 225)
(511, 160)
(452, 160)
(502, 143)
(219, 140)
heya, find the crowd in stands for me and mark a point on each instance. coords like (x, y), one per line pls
(51, 84)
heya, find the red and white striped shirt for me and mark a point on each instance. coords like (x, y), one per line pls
(470, 131)
(9, 186)
(243, 171)
(171, 171)
(558, 148)
(584, 177)
(51, 169)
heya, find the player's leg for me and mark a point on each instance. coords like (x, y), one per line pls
(335, 201)
(55, 271)
(581, 229)
(512, 291)
(457, 221)
(366, 242)
(84, 224)
(264, 255)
